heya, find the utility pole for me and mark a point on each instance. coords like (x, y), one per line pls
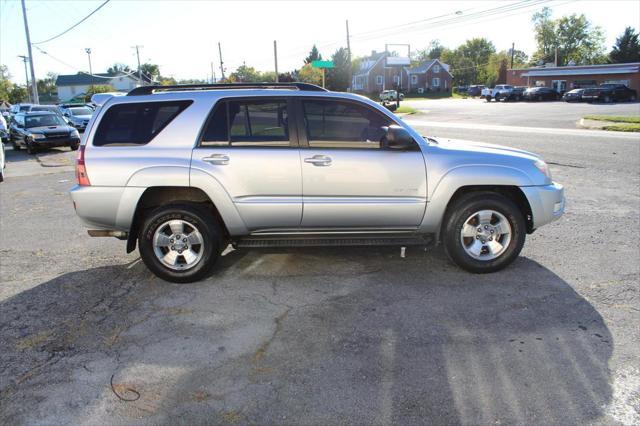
(513, 47)
(26, 75)
(349, 52)
(140, 81)
(88, 50)
(221, 67)
(275, 57)
(34, 85)
(213, 74)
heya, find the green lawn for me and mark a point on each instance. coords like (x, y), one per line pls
(623, 127)
(405, 109)
(614, 118)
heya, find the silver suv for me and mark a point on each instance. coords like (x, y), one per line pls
(183, 171)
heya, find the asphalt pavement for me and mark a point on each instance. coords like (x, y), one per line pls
(331, 336)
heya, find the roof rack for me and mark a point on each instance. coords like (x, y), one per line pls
(148, 90)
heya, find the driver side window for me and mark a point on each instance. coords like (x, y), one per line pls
(340, 124)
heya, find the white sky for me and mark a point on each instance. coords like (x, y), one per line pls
(181, 36)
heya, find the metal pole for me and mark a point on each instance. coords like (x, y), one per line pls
(221, 67)
(34, 85)
(349, 55)
(26, 75)
(275, 57)
(213, 74)
(513, 47)
(88, 50)
(322, 76)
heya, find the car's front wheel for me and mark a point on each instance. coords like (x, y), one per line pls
(484, 232)
(180, 243)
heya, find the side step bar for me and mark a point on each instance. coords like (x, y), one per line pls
(333, 240)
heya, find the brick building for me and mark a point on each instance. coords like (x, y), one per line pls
(374, 76)
(563, 79)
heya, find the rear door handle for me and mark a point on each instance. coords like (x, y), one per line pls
(221, 159)
(319, 160)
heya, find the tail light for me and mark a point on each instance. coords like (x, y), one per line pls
(81, 169)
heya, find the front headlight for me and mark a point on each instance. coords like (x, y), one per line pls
(37, 136)
(75, 134)
(543, 167)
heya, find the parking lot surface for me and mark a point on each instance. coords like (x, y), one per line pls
(555, 114)
(329, 336)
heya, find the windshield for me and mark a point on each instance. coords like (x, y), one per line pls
(80, 111)
(43, 120)
(44, 108)
(24, 108)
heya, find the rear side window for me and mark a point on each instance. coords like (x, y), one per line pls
(248, 123)
(136, 123)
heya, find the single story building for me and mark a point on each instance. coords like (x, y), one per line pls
(375, 75)
(71, 85)
(563, 79)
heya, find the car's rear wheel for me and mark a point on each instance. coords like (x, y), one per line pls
(180, 243)
(15, 145)
(74, 146)
(30, 149)
(607, 99)
(484, 232)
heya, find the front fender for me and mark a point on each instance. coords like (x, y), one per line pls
(467, 175)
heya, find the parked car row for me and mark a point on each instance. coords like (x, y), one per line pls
(34, 130)
(76, 115)
(603, 93)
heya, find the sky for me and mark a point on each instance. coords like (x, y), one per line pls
(182, 36)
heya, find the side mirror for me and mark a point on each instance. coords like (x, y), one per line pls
(66, 114)
(396, 137)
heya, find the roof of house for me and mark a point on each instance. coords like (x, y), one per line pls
(367, 64)
(421, 68)
(583, 70)
(85, 79)
(568, 67)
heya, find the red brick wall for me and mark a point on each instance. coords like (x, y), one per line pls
(514, 77)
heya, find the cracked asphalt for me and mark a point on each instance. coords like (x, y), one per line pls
(328, 336)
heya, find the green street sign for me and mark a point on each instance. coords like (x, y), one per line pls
(322, 64)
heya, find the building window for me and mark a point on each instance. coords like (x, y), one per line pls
(625, 82)
(435, 82)
(379, 80)
(540, 83)
(396, 79)
(436, 69)
(414, 79)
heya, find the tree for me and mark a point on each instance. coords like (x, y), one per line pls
(627, 47)
(573, 37)
(118, 68)
(18, 94)
(150, 71)
(314, 55)
(5, 83)
(309, 74)
(520, 58)
(245, 74)
(47, 90)
(469, 62)
(98, 88)
(433, 51)
(338, 76)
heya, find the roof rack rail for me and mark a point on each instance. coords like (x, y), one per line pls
(148, 90)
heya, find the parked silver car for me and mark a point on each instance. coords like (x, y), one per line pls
(184, 171)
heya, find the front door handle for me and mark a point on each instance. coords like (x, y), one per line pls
(221, 159)
(319, 160)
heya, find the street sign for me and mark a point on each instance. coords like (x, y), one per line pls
(322, 64)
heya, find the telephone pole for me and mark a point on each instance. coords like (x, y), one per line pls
(213, 74)
(221, 67)
(88, 50)
(26, 75)
(349, 52)
(275, 57)
(34, 85)
(513, 47)
(140, 81)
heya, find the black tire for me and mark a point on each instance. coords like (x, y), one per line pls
(15, 145)
(196, 217)
(74, 146)
(465, 207)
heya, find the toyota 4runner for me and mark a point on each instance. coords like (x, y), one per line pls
(184, 171)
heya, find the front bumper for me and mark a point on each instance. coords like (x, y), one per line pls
(49, 143)
(547, 202)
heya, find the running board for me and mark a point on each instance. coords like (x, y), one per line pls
(333, 240)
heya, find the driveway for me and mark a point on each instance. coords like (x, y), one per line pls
(329, 336)
(530, 114)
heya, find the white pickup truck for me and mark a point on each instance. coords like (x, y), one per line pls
(500, 91)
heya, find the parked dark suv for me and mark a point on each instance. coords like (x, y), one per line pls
(33, 130)
(541, 94)
(609, 93)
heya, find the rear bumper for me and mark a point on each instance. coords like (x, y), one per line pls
(106, 207)
(547, 202)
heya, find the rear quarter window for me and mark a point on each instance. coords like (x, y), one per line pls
(136, 123)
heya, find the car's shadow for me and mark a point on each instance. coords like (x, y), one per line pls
(307, 336)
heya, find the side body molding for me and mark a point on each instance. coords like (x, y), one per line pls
(466, 175)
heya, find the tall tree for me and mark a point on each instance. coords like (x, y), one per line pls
(338, 76)
(245, 74)
(117, 68)
(573, 37)
(308, 74)
(627, 47)
(469, 61)
(314, 55)
(151, 71)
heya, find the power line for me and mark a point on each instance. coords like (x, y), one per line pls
(75, 25)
